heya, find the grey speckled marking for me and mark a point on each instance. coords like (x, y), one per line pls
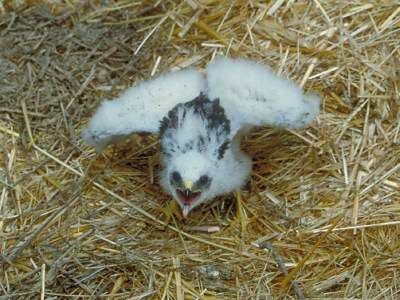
(210, 112)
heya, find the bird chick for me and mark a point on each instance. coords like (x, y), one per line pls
(198, 154)
(201, 121)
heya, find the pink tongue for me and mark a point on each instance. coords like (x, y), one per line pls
(185, 211)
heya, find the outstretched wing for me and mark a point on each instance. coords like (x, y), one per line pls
(252, 95)
(142, 107)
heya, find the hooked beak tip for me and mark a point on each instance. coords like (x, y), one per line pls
(187, 193)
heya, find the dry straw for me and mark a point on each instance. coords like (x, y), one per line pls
(320, 216)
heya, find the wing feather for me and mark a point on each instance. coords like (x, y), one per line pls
(142, 107)
(252, 95)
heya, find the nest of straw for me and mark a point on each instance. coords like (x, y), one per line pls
(320, 215)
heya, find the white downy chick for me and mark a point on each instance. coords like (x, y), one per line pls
(202, 122)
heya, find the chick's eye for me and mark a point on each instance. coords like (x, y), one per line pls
(204, 180)
(176, 177)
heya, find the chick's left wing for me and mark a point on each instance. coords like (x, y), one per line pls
(252, 95)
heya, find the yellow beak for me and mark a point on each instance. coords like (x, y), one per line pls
(188, 184)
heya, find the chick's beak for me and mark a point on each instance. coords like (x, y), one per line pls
(188, 185)
(187, 192)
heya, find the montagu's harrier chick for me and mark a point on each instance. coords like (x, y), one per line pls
(200, 120)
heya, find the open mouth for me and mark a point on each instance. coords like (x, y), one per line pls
(187, 198)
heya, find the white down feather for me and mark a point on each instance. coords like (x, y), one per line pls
(252, 94)
(140, 108)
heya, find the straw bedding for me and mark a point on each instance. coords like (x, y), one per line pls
(320, 215)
